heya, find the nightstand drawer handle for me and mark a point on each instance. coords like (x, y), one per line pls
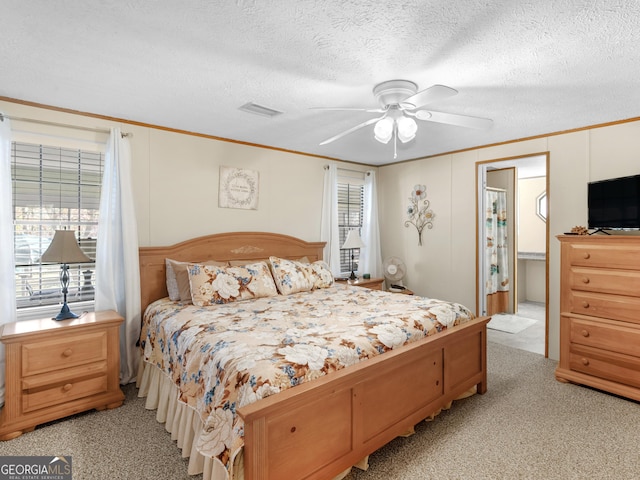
(585, 279)
(585, 361)
(67, 353)
(585, 304)
(585, 333)
(67, 387)
(587, 256)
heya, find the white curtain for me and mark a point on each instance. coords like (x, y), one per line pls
(117, 270)
(496, 254)
(329, 227)
(370, 257)
(8, 311)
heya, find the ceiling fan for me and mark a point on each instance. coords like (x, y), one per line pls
(401, 102)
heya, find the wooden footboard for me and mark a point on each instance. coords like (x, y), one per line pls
(318, 429)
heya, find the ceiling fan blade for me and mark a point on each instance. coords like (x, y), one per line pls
(428, 95)
(454, 119)
(351, 130)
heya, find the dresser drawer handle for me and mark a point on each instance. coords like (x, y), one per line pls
(586, 256)
(67, 387)
(585, 304)
(585, 361)
(585, 279)
(67, 353)
(585, 333)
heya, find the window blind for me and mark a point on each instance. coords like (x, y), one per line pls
(53, 188)
(350, 214)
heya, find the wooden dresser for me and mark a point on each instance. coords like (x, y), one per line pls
(59, 368)
(600, 313)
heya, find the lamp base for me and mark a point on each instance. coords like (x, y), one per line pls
(353, 276)
(65, 313)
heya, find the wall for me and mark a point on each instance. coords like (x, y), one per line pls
(531, 241)
(175, 179)
(531, 228)
(445, 265)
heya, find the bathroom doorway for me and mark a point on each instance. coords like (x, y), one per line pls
(512, 247)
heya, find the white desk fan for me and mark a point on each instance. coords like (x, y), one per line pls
(394, 270)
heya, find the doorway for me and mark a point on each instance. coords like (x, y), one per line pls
(518, 300)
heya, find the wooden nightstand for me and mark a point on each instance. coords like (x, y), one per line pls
(59, 368)
(372, 283)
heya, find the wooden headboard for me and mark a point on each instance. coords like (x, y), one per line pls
(222, 247)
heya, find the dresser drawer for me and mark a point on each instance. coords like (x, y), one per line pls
(604, 334)
(619, 282)
(604, 254)
(603, 305)
(611, 366)
(49, 355)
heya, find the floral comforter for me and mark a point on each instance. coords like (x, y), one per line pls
(226, 356)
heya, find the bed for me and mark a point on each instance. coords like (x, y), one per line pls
(313, 409)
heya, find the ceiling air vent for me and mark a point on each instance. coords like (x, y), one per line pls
(259, 110)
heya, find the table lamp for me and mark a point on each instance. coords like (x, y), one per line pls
(64, 249)
(353, 241)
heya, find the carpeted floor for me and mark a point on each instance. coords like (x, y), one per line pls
(527, 426)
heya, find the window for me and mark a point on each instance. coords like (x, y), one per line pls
(53, 188)
(350, 214)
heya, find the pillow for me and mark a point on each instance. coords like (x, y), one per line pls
(178, 278)
(211, 285)
(321, 274)
(291, 276)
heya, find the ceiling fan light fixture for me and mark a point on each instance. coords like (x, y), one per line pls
(407, 128)
(383, 131)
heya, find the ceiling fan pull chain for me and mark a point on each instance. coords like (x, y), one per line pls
(395, 141)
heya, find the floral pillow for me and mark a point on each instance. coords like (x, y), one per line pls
(211, 285)
(291, 276)
(178, 278)
(321, 274)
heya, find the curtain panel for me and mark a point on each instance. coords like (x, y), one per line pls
(8, 309)
(329, 229)
(496, 248)
(370, 256)
(117, 272)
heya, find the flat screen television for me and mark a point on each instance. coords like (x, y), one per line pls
(614, 204)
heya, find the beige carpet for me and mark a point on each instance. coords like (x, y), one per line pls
(527, 426)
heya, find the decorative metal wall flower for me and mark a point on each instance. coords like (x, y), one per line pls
(420, 215)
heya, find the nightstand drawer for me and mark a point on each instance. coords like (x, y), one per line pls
(46, 390)
(49, 355)
(605, 334)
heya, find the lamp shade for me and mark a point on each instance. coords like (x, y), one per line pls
(353, 240)
(64, 249)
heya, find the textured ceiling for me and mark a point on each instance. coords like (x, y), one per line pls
(534, 67)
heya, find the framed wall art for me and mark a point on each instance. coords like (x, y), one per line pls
(238, 188)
